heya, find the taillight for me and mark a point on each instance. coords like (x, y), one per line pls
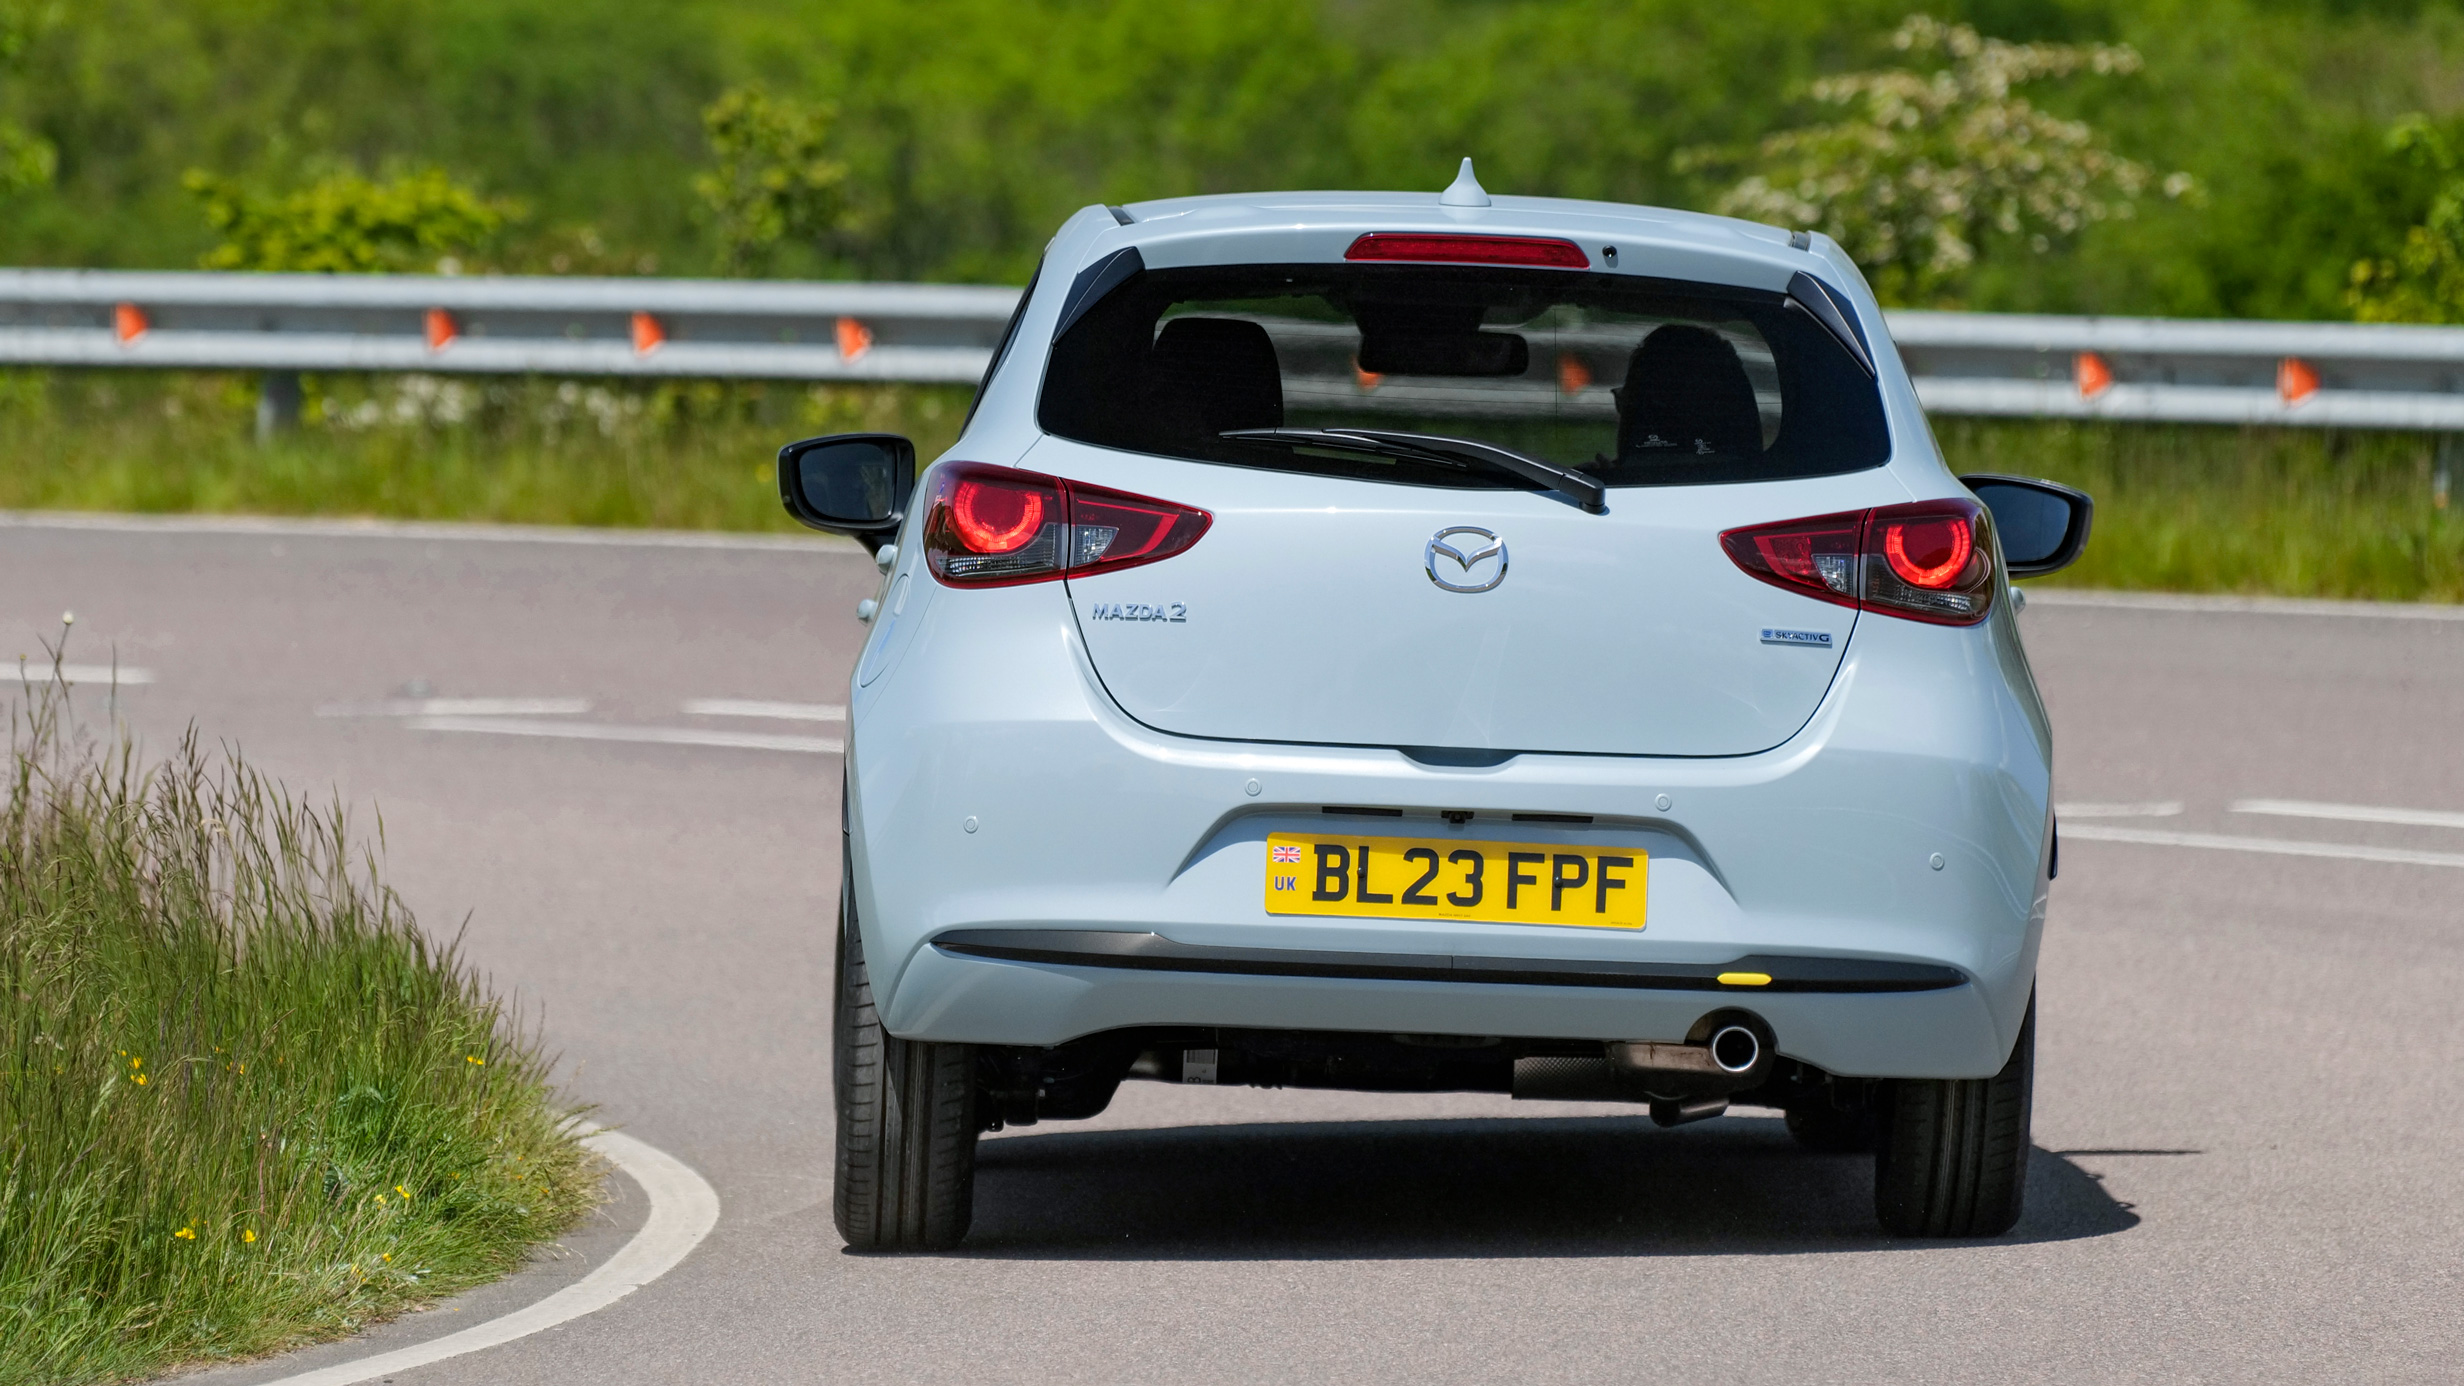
(1817, 557)
(993, 526)
(1929, 561)
(1932, 561)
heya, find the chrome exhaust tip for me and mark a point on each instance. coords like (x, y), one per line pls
(1736, 1049)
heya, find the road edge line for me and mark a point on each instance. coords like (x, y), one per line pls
(2270, 846)
(2208, 602)
(683, 1210)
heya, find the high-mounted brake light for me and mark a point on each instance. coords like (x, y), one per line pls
(1537, 252)
(1930, 561)
(996, 526)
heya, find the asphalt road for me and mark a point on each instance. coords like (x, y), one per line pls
(2249, 1104)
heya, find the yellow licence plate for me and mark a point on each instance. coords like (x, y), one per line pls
(1450, 878)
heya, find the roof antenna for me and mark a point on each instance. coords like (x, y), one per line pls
(1465, 190)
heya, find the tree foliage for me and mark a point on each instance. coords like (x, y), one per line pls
(968, 129)
(773, 180)
(27, 160)
(1926, 164)
(2423, 280)
(346, 223)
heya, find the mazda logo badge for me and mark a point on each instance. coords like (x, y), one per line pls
(1470, 547)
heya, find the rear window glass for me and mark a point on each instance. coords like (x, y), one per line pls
(1639, 382)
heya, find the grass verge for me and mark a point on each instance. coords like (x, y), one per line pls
(246, 1103)
(2284, 511)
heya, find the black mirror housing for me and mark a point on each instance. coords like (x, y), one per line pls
(856, 484)
(2043, 524)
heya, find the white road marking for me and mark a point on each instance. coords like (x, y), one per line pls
(683, 1209)
(2272, 846)
(35, 672)
(2351, 813)
(2164, 808)
(2263, 606)
(746, 707)
(827, 545)
(460, 707)
(608, 731)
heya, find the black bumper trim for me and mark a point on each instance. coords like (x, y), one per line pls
(1155, 953)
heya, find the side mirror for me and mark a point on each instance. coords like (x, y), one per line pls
(856, 484)
(2043, 525)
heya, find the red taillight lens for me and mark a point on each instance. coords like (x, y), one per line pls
(995, 519)
(1930, 561)
(1817, 557)
(992, 526)
(1537, 252)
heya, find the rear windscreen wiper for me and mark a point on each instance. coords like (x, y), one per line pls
(1428, 447)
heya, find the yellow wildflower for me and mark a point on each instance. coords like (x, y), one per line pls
(248, 1234)
(141, 1080)
(186, 1234)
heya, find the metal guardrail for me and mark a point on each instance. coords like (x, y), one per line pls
(2172, 370)
(2301, 375)
(492, 325)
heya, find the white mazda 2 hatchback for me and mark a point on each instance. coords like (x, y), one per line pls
(1411, 643)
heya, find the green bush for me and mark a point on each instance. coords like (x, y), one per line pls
(244, 1102)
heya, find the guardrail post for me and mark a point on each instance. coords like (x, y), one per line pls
(277, 405)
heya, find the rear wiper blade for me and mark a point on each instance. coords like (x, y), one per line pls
(1585, 489)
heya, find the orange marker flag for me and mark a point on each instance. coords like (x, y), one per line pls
(128, 322)
(649, 334)
(2296, 380)
(442, 329)
(2091, 374)
(1573, 377)
(854, 338)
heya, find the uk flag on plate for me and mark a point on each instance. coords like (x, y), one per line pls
(1283, 854)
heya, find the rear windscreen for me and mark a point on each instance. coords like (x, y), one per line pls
(1640, 382)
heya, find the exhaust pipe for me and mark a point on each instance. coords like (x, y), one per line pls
(1667, 1111)
(1726, 1052)
(1735, 1049)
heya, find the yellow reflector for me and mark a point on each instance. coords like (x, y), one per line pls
(1745, 979)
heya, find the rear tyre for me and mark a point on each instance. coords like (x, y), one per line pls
(906, 1121)
(1953, 1157)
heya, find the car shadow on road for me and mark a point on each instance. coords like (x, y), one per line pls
(1483, 1187)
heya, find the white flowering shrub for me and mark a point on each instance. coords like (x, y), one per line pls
(1928, 161)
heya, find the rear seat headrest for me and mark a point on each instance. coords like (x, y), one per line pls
(1686, 392)
(1213, 374)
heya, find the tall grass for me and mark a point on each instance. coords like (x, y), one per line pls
(244, 1102)
(2290, 512)
(690, 455)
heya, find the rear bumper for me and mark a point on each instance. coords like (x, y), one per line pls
(1748, 976)
(1943, 1032)
(1032, 866)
